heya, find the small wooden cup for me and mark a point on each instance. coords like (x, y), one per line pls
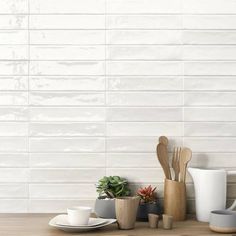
(153, 220)
(175, 199)
(126, 211)
(167, 221)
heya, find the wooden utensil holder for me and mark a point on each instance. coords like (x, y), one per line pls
(175, 199)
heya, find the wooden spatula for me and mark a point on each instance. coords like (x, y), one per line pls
(164, 140)
(175, 162)
(162, 155)
(185, 157)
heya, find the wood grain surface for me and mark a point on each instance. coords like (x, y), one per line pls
(37, 225)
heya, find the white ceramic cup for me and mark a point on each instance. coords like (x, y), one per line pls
(78, 215)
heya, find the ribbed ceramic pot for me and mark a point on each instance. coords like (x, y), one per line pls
(105, 208)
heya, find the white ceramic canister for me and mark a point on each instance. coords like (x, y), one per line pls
(210, 191)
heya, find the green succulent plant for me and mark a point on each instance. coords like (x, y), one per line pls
(112, 187)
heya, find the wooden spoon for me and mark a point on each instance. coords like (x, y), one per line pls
(164, 140)
(175, 162)
(185, 157)
(162, 155)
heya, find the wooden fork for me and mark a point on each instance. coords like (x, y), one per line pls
(175, 162)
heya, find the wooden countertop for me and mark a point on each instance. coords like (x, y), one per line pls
(37, 225)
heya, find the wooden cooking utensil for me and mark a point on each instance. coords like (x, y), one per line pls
(185, 157)
(162, 155)
(164, 140)
(175, 162)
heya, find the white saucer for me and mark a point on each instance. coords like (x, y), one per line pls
(54, 223)
(63, 220)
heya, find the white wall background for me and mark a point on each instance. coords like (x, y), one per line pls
(87, 86)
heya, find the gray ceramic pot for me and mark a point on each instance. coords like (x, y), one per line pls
(223, 221)
(105, 208)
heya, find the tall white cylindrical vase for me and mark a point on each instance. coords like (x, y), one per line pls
(210, 191)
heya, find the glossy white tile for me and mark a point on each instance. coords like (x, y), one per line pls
(208, 129)
(67, 52)
(212, 160)
(71, 37)
(88, 175)
(13, 83)
(9, 160)
(143, 37)
(212, 37)
(137, 144)
(210, 68)
(144, 99)
(144, 83)
(13, 37)
(67, 6)
(214, 53)
(67, 99)
(67, 68)
(13, 98)
(144, 114)
(58, 206)
(67, 21)
(210, 99)
(14, 206)
(13, 191)
(212, 7)
(67, 145)
(17, 175)
(67, 160)
(144, 68)
(14, 52)
(144, 129)
(134, 174)
(13, 113)
(13, 129)
(132, 160)
(149, 52)
(67, 83)
(67, 114)
(13, 6)
(210, 114)
(210, 83)
(13, 67)
(12, 144)
(143, 6)
(221, 145)
(62, 191)
(13, 22)
(66, 129)
(209, 22)
(144, 21)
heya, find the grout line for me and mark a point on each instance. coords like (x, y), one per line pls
(183, 71)
(118, 14)
(28, 102)
(106, 85)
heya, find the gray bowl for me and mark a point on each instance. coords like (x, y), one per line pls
(223, 221)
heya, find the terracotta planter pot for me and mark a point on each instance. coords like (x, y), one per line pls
(146, 208)
(105, 208)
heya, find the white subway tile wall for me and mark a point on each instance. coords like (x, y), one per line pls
(87, 87)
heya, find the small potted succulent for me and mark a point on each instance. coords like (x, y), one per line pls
(108, 189)
(148, 203)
